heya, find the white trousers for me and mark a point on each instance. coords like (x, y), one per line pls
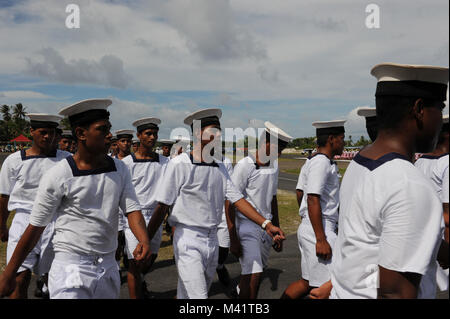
(40, 258)
(196, 253)
(314, 269)
(75, 276)
(131, 240)
(256, 244)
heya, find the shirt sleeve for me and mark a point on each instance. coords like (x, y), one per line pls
(240, 176)
(317, 176)
(48, 198)
(445, 190)
(300, 185)
(411, 228)
(233, 194)
(128, 200)
(275, 184)
(8, 176)
(171, 182)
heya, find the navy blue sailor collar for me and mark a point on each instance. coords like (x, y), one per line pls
(433, 156)
(372, 164)
(155, 158)
(331, 161)
(110, 167)
(24, 156)
(213, 164)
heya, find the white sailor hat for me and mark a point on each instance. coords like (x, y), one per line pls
(207, 117)
(166, 142)
(43, 120)
(135, 140)
(66, 133)
(86, 111)
(146, 123)
(367, 111)
(182, 139)
(445, 119)
(124, 134)
(329, 127)
(114, 138)
(277, 132)
(411, 80)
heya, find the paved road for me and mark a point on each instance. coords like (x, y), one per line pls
(283, 269)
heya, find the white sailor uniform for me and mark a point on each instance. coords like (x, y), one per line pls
(86, 203)
(19, 178)
(435, 168)
(320, 176)
(145, 176)
(197, 191)
(259, 186)
(223, 234)
(390, 216)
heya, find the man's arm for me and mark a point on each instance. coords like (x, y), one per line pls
(26, 243)
(4, 214)
(442, 256)
(250, 212)
(275, 220)
(157, 219)
(398, 285)
(230, 215)
(138, 227)
(445, 206)
(323, 248)
(299, 197)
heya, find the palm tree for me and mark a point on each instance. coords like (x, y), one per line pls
(5, 113)
(19, 112)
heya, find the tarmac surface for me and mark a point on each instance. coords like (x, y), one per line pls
(283, 269)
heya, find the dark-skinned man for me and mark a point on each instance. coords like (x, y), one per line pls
(146, 169)
(319, 207)
(390, 216)
(19, 180)
(197, 187)
(84, 192)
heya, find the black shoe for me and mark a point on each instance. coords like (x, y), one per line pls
(234, 294)
(224, 276)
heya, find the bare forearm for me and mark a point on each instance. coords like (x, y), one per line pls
(245, 208)
(157, 219)
(299, 197)
(315, 216)
(137, 226)
(4, 213)
(26, 243)
(230, 215)
(275, 220)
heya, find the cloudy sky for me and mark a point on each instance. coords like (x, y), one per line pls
(291, 62)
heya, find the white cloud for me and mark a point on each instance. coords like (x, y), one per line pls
(107, 71)
(24, 95)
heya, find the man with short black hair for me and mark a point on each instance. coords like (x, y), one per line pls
(390, 216)
(19, 180)
(197, 186)
(84, 193)
(256, 177)
(319, 209)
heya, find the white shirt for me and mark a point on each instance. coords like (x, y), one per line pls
(301, 177)
(20, 176)
(440, 177)
(146, 176)
(390, 216)
(257, 184)
(197, 191)
(87, 205)
(320, 176)
(434, 168)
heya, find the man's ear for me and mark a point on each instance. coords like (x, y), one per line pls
(418, 111)
(80, 133)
